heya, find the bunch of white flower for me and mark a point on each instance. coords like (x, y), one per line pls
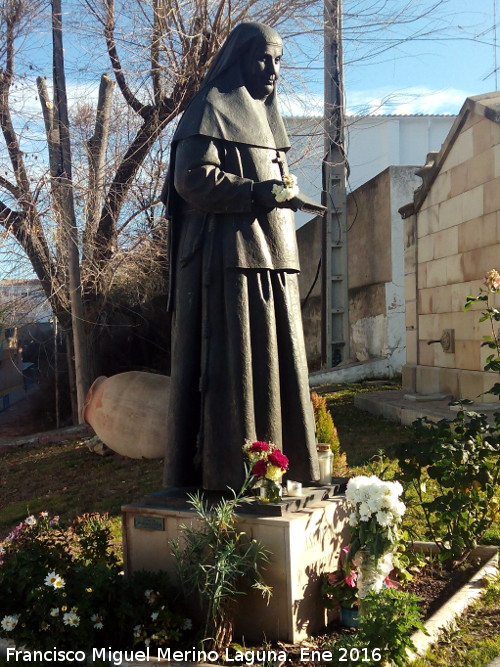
(373, 498)
(71, 618)
(288, 190)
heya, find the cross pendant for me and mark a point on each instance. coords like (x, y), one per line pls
(280, 164)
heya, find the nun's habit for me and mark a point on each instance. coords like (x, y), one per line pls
(239, 368)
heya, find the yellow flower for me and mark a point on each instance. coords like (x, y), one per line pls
(274, 473)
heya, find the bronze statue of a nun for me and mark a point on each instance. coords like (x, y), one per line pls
(239, 369)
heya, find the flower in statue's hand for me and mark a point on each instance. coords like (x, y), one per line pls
(288, 190)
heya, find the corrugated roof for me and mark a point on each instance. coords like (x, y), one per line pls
(29, 281)
(402, 115)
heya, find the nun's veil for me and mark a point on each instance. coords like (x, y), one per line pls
(224, 109)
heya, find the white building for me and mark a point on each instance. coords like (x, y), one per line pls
(373, 144)
(384, 153)
(23, 302)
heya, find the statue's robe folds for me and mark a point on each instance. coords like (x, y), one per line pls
(239, 368)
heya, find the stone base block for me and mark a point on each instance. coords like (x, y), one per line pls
(302, 546)
(459, 383)
(409, 377)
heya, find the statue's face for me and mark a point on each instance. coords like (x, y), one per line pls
(261, 68)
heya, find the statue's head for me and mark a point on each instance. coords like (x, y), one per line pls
(254, 50)
(261, 63)
(237, 98)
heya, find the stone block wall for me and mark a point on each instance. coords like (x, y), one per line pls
(450, 243)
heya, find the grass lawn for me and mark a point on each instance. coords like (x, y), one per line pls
(67, 479)
(475, 641)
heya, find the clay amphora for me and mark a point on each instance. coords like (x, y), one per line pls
(128, 412)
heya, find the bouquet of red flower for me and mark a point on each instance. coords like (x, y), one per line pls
(266, 460)
(268, 465)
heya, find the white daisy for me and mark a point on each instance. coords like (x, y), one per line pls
(9, 623)
(54, 580)
(70, 618)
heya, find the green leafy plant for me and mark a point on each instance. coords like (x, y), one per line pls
(460, 458)
(48, 588)
(62, 585)
(406, 562)
(384, 634)
(219, 563)
(491, 314)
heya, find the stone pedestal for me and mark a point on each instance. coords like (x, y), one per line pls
(302, 544)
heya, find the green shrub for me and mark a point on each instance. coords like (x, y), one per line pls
(63, 585)
(388, 620)
(219, 563)
(325, 428)
(461, 459)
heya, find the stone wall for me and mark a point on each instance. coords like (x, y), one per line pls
(450, 243)
(376, 266)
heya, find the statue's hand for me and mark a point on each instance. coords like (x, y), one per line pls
(263, 196)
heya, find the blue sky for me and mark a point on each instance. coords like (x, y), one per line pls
(432, 74)
(452, 57)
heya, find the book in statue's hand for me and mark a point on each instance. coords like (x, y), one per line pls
(308, 205)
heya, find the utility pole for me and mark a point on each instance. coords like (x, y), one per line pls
(67, 212)
(335, 330)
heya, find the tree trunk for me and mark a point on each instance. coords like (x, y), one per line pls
(68, 212)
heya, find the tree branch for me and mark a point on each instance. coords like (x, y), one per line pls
(109, 33)
(10, 187)
(155, 53)
(9, 219)
(48, 117)
(31, 240)
(96, 150)
(105, 239)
